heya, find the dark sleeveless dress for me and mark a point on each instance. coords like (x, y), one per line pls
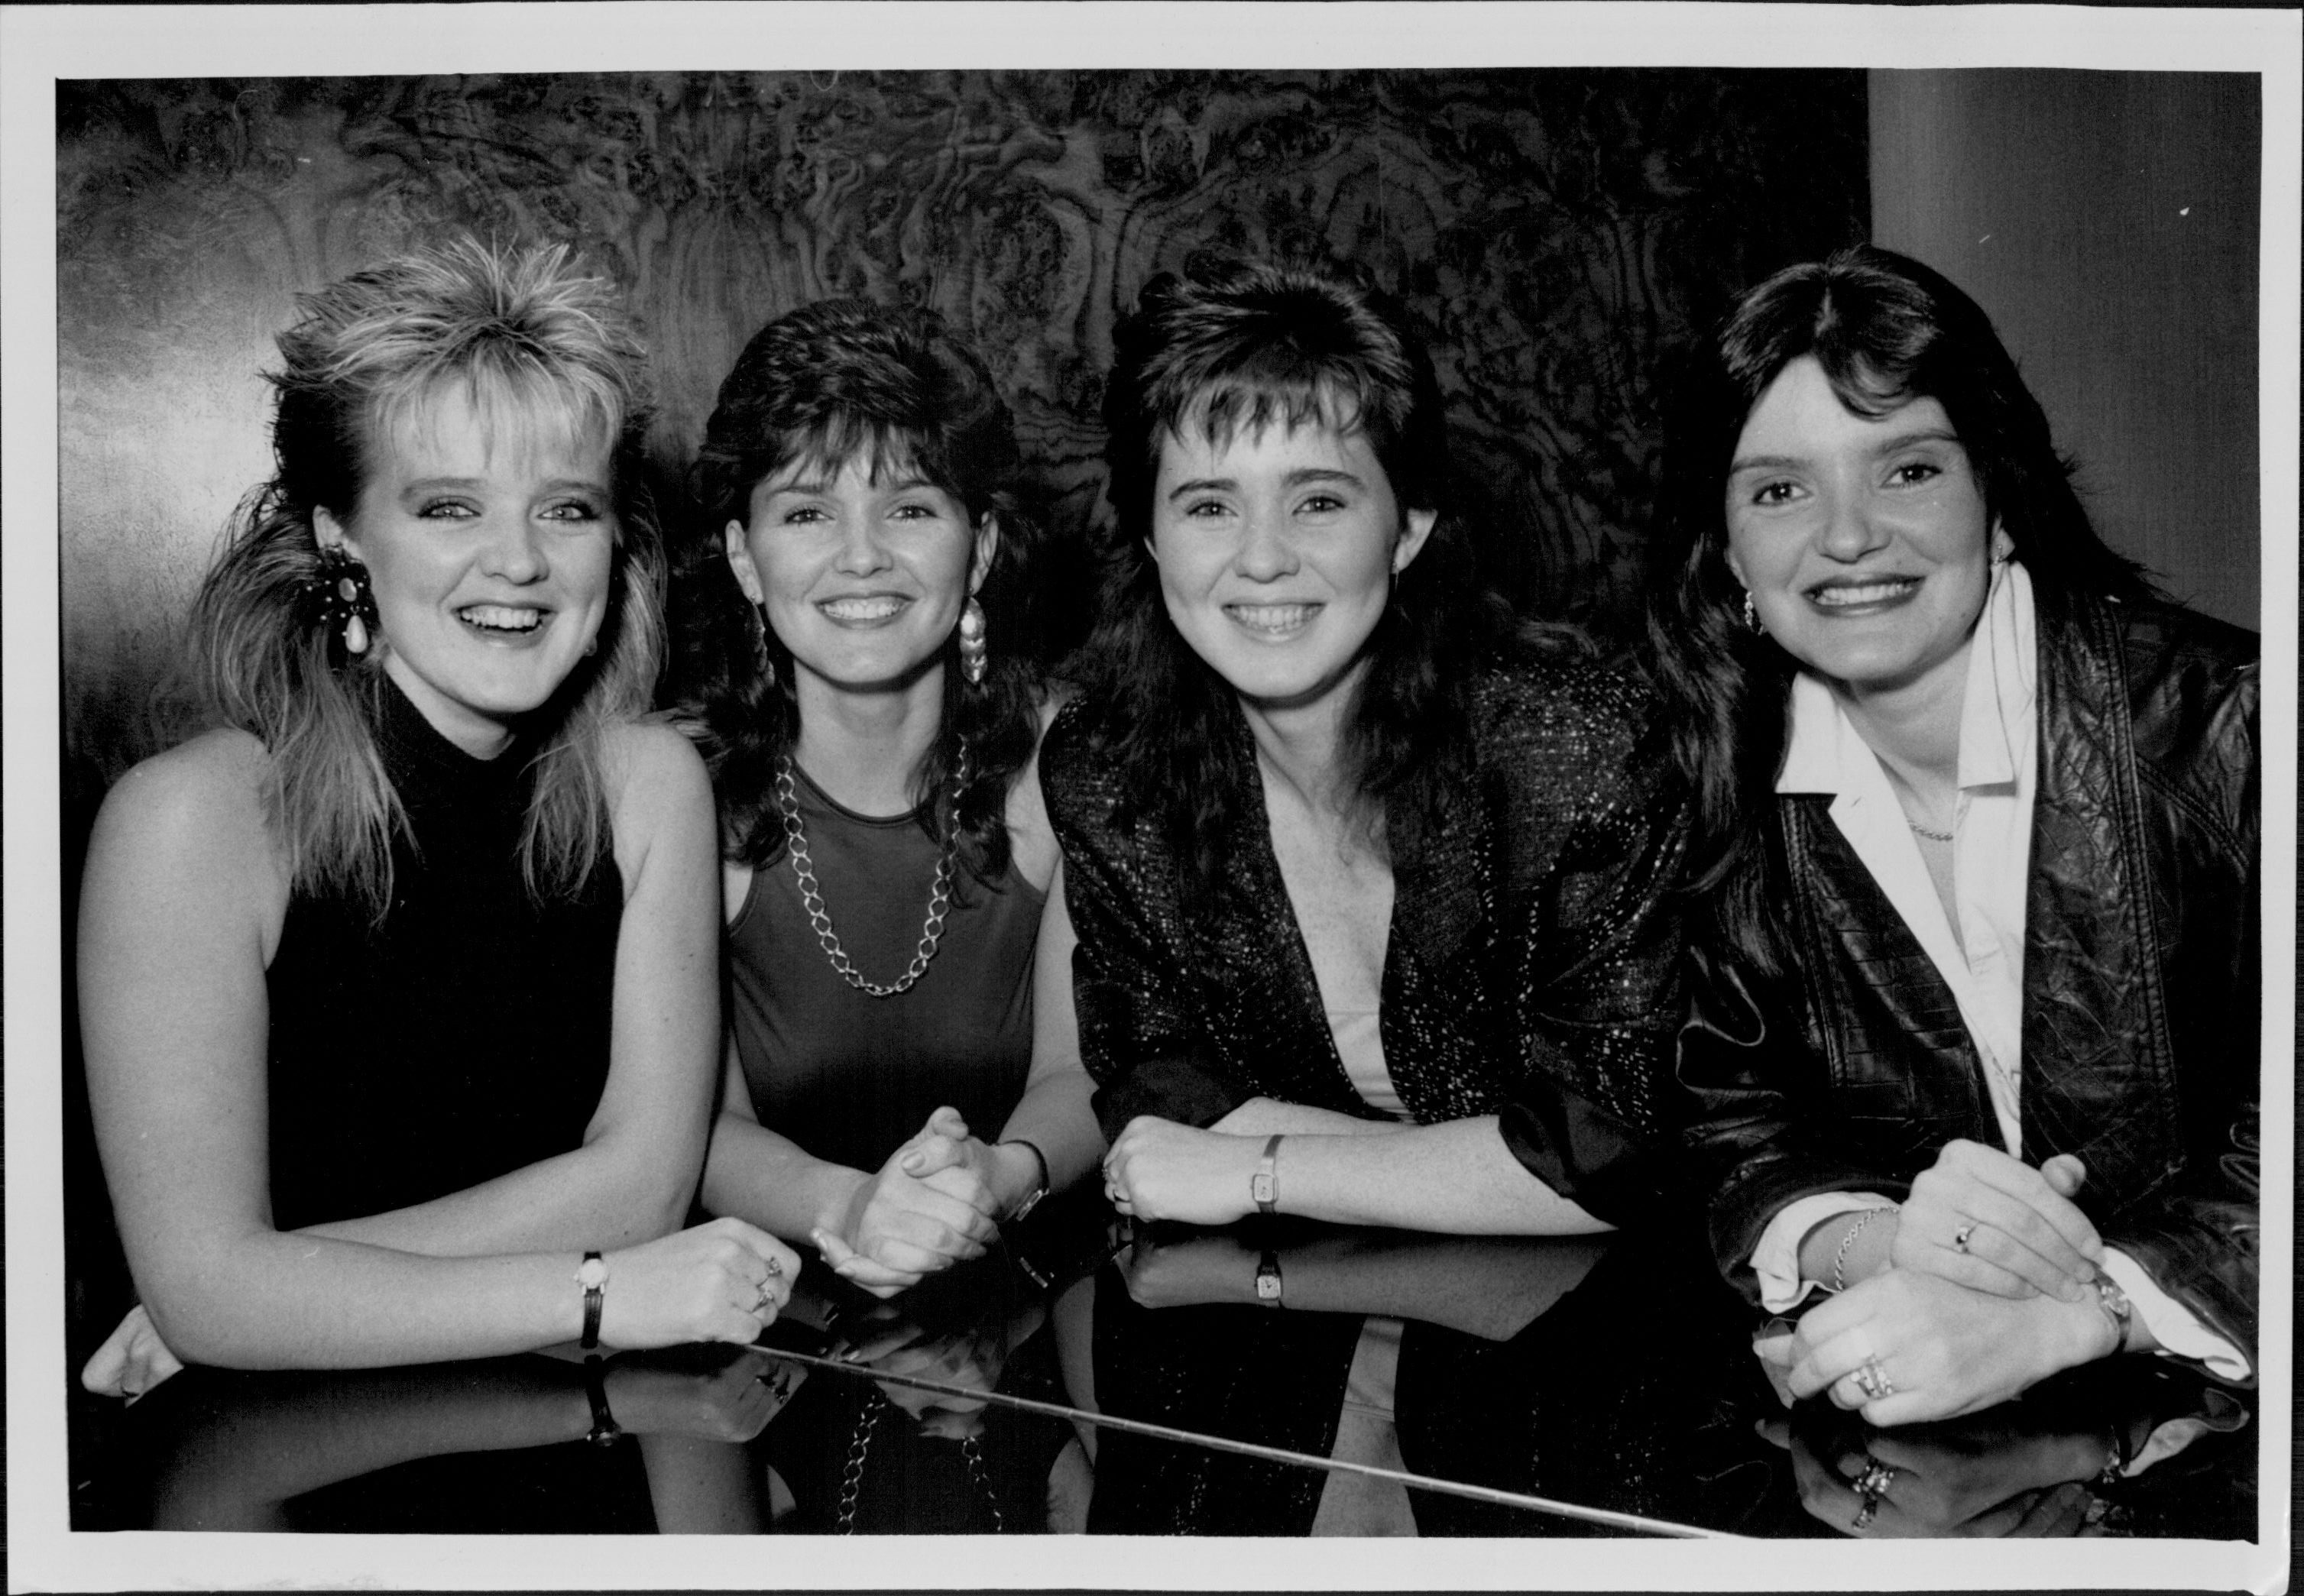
(465, 1037)
(850, 1077)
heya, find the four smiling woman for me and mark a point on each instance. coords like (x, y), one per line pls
(1913, 889)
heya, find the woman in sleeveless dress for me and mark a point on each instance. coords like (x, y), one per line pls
(397, 991)
(902, 1069)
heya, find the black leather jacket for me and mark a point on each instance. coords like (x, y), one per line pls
(2140, 981)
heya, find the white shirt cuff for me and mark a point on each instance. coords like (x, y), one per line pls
(2179, 1331)
(1777, 1260)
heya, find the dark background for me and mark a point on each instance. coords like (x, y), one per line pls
(1556, 233)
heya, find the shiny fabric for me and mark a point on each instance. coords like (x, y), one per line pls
(2140, 981)
(1530, 971)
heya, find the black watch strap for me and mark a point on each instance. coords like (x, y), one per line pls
(604, 1428)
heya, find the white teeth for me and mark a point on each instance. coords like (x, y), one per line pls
(502, 618)
(1869, 593)
(861, 609)
(1270, 618)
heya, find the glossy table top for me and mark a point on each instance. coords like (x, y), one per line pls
(1542, 1388)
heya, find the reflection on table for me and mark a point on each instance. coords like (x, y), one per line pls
(1277, 1378)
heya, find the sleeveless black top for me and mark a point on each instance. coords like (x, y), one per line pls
(466, 1036)
(849, 1077)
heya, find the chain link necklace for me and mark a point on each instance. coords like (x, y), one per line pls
(851, 1476)
(812, 899)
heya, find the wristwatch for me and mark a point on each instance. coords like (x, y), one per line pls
(592, 1275)
(1267, 1280)
(1264, 1185)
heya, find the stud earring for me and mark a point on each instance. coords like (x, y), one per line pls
(338, 599)
(973, 656)
(1751, 613)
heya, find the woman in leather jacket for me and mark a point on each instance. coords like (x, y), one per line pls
(1972, 1041)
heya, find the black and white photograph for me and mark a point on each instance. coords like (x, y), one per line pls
(1195, 779)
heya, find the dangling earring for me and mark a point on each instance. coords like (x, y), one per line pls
(1751, 613)
(337, 599)
(761, 657)
(973, 656)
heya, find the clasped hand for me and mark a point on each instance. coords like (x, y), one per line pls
(1977, 1480)
(928, 1207)
(1159, 1169)
(1983, 1219)
(1929, 1349)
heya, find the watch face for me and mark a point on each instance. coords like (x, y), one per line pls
(1267, 1287)
(1260, 1188)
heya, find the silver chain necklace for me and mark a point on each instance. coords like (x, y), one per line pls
(851, 1475)
(812, 899)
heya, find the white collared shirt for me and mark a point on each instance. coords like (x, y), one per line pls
(1996, 784)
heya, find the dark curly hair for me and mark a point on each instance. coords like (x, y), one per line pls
(831, 382)
(1886, 330)
(1233, 348)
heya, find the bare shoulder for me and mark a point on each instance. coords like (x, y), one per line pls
(1030, 836)
(190, 828)
(657, 788)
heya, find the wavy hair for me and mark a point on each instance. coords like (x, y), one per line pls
(1227, 350)
(532, 340)
(839, 381)
(1886, 330)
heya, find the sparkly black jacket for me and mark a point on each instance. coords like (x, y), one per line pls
(2140, 981)
(1532, 968)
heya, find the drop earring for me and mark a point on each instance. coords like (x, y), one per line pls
(765, 660)
(1752, 613)
(973, 656)
(338, 599)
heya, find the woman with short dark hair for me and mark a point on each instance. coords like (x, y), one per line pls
(1979, 820)
(1368, 881)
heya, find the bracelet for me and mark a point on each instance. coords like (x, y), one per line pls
(2117, 1308)
(1839, 1258)
(604, 1428)
(1039, 1191)
(592, 1275)
(1264, 1185)
(1267, 1280)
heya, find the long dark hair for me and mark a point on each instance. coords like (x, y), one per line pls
(1886, 330)
(530, 334)
(1230, 349)
(831, 382)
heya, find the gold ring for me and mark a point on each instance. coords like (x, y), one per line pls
(1960, 1237)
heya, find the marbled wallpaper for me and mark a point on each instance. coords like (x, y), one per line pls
(1555, 233)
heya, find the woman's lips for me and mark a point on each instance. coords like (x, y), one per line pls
(505, 620)
(868, 609)
(1863, 598)
(1272, 620)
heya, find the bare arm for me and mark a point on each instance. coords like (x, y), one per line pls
(183, 901)
(632, 1178)
(1055, 1113)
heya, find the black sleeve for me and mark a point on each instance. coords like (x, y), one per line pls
(1139, 1039)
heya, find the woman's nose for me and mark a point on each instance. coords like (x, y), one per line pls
(1264, 554)
(862, 552)
(1850, 528)
(515, 552)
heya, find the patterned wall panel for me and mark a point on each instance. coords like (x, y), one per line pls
(1555, 233)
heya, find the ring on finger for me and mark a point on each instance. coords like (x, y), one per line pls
(776, 1267)
(766, 1300)
(1873, 1483)
(1873, 1380)
(1960, 1237)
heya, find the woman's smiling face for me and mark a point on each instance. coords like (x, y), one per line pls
(489, 540)
(862, 573)
(1863, 540)
(1277, 549)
